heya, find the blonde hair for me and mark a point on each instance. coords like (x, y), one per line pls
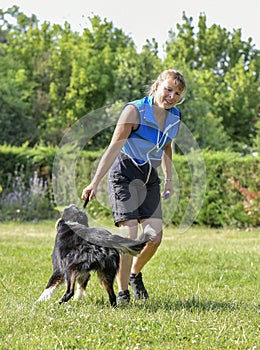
(176, 76)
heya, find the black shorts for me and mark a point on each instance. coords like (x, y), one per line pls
(130, 196)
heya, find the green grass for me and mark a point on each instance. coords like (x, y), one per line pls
(203, 286)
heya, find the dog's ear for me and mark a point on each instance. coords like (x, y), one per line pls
(83, 219)
(66, 214)
(59, 222)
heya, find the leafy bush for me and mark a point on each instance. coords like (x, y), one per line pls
(232, 196)
(26, 202)
(25, 183)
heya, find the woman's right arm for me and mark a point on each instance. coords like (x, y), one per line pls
(129, 120)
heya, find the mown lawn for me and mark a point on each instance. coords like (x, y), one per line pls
(203, 285)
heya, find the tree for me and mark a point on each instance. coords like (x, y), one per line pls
(135, 72)
(197, 112)
(24, 76)
(16, 120)
(92, 76)
(239, 107)
(51, 76)
(229, 79)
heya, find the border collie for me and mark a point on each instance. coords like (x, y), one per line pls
(79, 249)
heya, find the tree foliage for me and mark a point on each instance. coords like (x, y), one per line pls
(51, 76)
(224, 81)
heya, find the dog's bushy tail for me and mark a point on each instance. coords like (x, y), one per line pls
(104, 238)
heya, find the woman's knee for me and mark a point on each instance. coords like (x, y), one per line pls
(129, 228)
(152, 229)
(156, 240)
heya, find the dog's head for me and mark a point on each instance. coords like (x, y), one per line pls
(73, 214)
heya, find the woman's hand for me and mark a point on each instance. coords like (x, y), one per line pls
(89, 192)
(168, 190)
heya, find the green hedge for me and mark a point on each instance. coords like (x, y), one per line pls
(232, 195)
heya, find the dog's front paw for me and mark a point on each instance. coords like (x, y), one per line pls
(46, 294)
(80, 294)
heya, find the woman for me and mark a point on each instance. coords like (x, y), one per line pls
(142, 140)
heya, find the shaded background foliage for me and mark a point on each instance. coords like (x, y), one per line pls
(232, 196)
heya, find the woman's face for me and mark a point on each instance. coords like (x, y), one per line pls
(167, 94)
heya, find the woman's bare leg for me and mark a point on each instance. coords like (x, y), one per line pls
(153, 226)
(128, 229)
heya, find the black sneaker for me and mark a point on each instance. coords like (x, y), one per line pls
(123, 297)
(138, 288)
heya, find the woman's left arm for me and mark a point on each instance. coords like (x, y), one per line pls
(167, 169)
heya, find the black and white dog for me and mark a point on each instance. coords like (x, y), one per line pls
(79, 249)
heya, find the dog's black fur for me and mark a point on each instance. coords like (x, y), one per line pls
(80, 249)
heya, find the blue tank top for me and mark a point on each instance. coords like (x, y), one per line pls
(146, 144)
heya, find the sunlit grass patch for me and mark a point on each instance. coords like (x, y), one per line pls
(203, 286)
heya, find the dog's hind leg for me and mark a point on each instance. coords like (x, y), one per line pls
(71, 280)
(107, 282)
(55, 280)
(82, 282)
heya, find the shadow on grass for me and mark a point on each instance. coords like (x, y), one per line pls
(159, 304)
(192, 304)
